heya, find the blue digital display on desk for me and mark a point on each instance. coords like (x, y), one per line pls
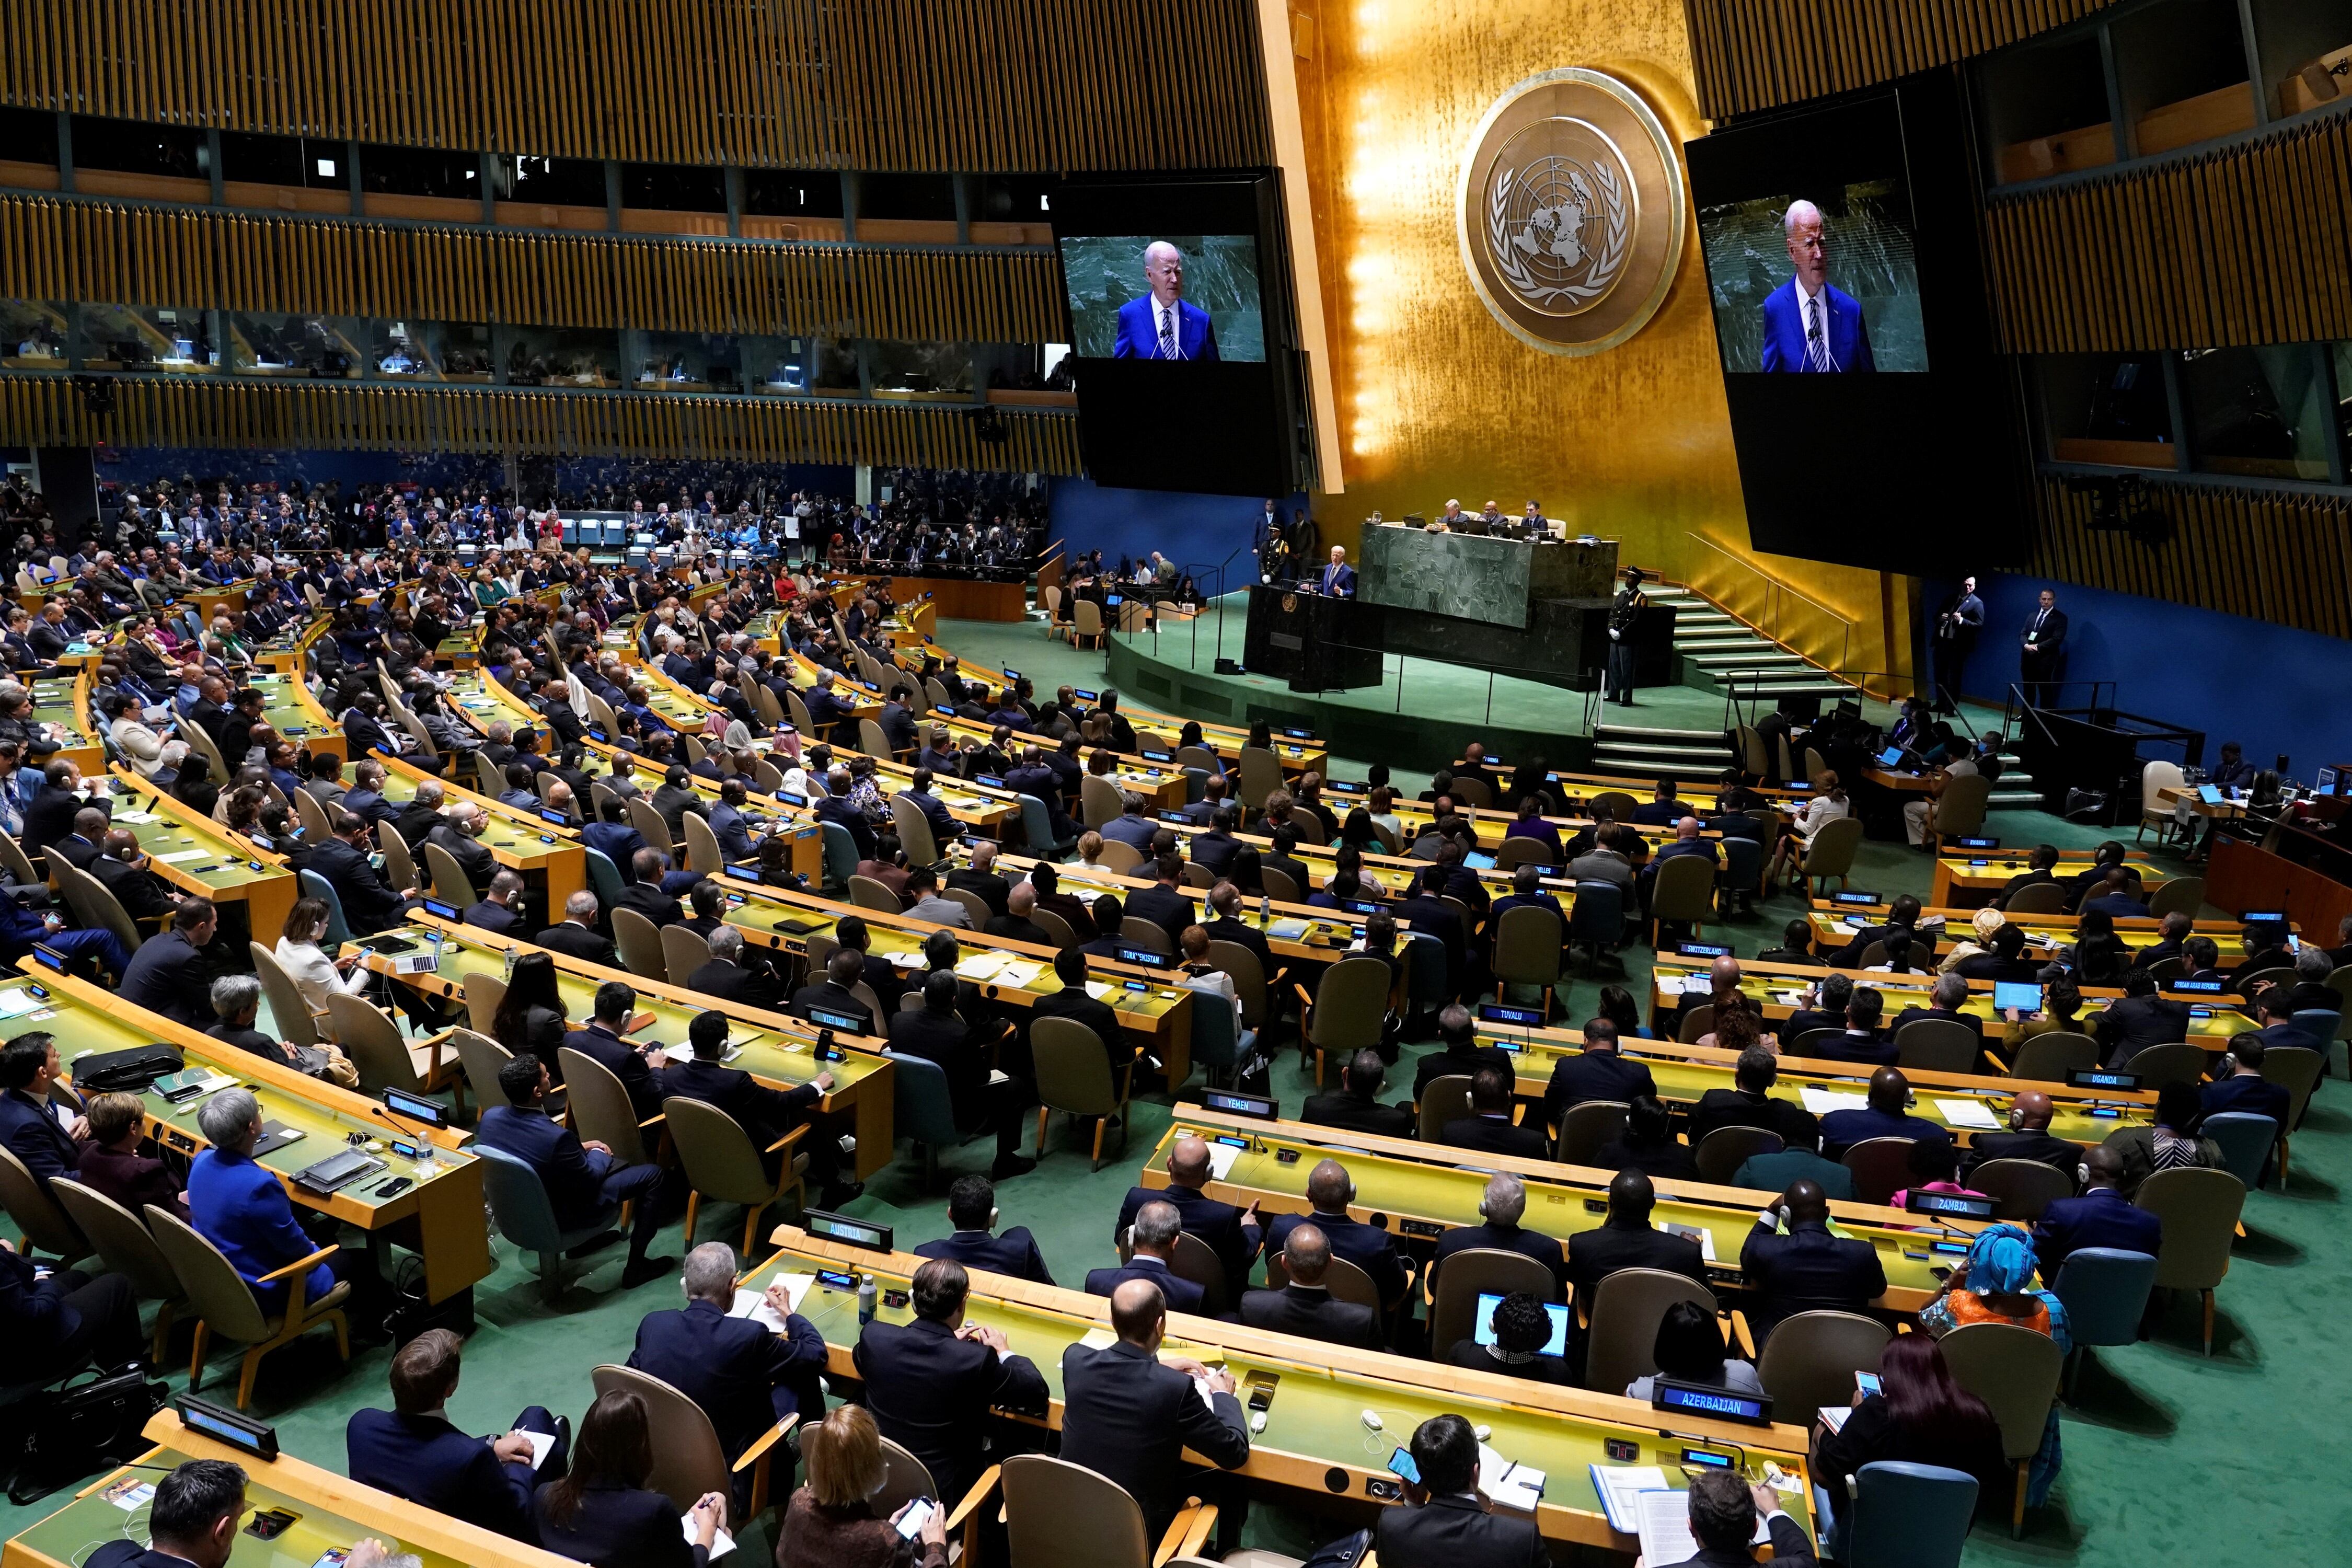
(1703, 949)
(1723, 1403)
(1960, 1204)
(446, 911)
(1978, 843)
(1262, 1106)
(2091, 1077)
(1523, 1017)
(1144, 956)
(1855, 897)
(841, 1021)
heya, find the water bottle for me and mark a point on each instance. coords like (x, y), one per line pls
(1264, 908)
(866, 1296)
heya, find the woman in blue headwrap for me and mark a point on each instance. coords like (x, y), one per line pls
(1996, 1285)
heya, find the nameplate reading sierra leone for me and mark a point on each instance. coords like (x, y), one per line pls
(1569, 211)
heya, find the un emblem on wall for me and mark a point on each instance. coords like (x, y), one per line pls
(1570, 211)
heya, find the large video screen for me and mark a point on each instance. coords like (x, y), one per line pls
(1181, 367)
(1815, 270)
(1163, 296)
(1874, 422)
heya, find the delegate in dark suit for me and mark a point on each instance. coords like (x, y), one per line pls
(1791, 1549)
(578, 942)
(431, 1463)
(1456, 1532)
(766, 1114)
(931, 1393)
(1527, 1243)
(744, 1377)
(2054, 1152)
(2100, 1217)
(1594, 1075)
(617, 1524)
(36, 1133)
(1311, 1312)
(1808, 1270)
(1014, 1253)
(1626, 1242)
(1357, 1113)
(168, 975)
(1495, 1135)
(1743, 1108)
(1218, 1224)
(1182, 1295)
(369, 906)
(1127, 1418)
(1371, 1250)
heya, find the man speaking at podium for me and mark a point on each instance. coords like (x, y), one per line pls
(1163, 324)
(1810, 325)
(1338, 579)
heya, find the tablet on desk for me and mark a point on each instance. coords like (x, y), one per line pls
(2209, 793)
(1891, 758)
(2023, 995)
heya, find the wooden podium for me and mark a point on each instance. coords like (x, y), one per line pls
(1316, 643)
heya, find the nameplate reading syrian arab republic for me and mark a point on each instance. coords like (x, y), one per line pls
(1570, 211)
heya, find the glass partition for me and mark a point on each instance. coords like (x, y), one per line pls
(563, 357)
(295, 347)
(2259, 412)
(148, 338)
(35, 335)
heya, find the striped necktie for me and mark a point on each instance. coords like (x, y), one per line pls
(1167, 332)
(1817, 354)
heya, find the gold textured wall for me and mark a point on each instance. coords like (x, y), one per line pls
(1436, 399)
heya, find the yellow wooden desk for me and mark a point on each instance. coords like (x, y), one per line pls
(333, 1514)
(1292, 931)
(62, 702)
(440, 1216)
(547, 855)
(1683, 1073)
(1965, 881)
(1835, 925)
(1017, 973)
(212, 861)
(480, 701)
(1314, 1444)
(777, 1050)
(1770, 985)
(1424, 1190)
(2223, 810)
(1582, 786)
(213, 599)
(297, 716)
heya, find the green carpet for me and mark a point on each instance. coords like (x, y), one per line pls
(2164, 1448)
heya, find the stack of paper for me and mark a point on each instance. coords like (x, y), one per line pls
(1973, 1114)
(1822, 1101)
(1664, 1528)
(753, 1304)
(1221, 1159)
(1619, 1489)
(17, 1003)
(1019, 972)
(1098, 989)
(1700, 1234)
(980, 966)
(1833, 1416)
(182, 856)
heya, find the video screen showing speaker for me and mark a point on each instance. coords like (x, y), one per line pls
(1817, 274)
(1874, 423)
(1181, 380)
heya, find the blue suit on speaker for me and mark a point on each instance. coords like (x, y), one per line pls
(1784, 331)
(1139, 332)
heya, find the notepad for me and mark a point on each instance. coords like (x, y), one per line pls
(980, 966)
(17, 1003)
(1973, 1114)
(1822, 1101)
(1833, 1416)
(721, 1543)
(177, 857)
(1286, 930)
(135, 817)
(1221, 1159)
(1098, 989)
(1098, 1339)
(753, 1304)
(1509, 1485)
(541, 1444)
(1019, 972)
